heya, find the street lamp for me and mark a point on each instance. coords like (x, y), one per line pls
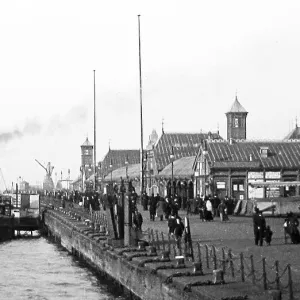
(110, 166)
(126, 167)
(172, 160)
(145, 158)
(204, 157)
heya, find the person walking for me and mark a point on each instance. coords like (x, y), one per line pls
(208, 211)
(152, 208)
(222, 208)
(259, 226)
(161, 207)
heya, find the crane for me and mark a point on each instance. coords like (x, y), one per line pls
(48, 182)
(3, 179)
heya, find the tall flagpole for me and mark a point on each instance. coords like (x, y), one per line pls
(141, 112)
(95, 162)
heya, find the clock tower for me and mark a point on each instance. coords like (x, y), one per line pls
(87, 161)
(236, 121)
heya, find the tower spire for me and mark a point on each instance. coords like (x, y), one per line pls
(162, 126)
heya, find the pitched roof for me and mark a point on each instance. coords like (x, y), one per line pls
(133, 171)
(282, 154)
(87, 142)
(182, 168)
(294, 134)
(118, 159)
(237, 107)
(184, 145)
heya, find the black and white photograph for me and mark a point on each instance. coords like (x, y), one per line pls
(149, 150)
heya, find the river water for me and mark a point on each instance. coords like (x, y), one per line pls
(36, 268)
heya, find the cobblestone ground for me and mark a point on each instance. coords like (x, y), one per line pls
(237, 234)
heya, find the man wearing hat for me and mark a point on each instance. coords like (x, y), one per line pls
(259, 225)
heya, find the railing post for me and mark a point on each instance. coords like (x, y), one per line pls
(207, 256)
(214, 257)
(169, 243)
(252, 269)
(174, 248)
(199, 257)
(264, 273)
(163, 241)
(277, 279)
(179, 247)
(152, 238)
(290, 282)
(223, 260)
(242, 267)
(157, 240)
(231, 262)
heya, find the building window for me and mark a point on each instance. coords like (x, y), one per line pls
(236, 122)
(221, 185)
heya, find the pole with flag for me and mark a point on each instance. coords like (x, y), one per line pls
(141, 113)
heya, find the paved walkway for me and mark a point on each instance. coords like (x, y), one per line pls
(237, 234)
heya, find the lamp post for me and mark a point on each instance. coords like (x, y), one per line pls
(110, 166)
(172, 175)
(145, 158)
(99, 176)
(126, 167)
(204, 157)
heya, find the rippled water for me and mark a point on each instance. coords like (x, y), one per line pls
(36, 268)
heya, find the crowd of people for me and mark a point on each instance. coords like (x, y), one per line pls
(167, 208)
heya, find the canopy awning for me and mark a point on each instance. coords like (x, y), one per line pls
(274, 184)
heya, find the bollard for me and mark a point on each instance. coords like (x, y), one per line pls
(152, 250)
(141, 245)
(165, 255)
(92, 225)
(102, 229)
(218, 276)
(197, 268)
(179, 261)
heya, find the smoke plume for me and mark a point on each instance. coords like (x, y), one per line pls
(30, 128)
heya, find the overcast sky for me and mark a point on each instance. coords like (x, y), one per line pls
(196, 55)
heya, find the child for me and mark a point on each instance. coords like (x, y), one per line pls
(268, 235)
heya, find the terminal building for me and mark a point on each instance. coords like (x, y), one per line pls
(248, 169)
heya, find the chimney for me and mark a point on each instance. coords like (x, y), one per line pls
(209, 135)
(250, 157)
(231, 141)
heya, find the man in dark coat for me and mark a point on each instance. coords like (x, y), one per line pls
(145, 201)
(152, 207)
(259, 226)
